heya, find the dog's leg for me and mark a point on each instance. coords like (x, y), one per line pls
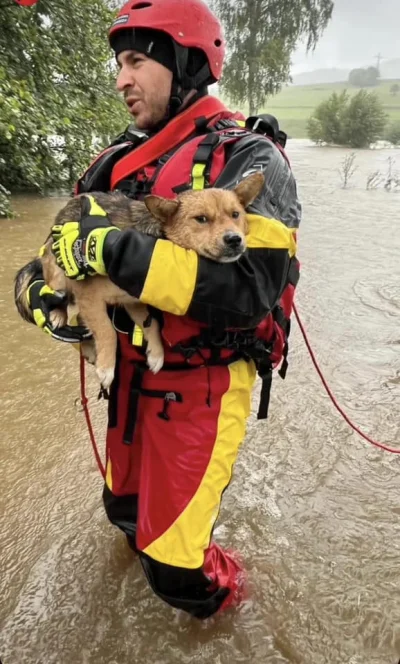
(151, 331)
(88, 350)
(93, 310)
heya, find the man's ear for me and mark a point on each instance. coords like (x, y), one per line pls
(161, 208)
(248, 189)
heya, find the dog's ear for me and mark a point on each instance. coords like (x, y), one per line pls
(248, 189)
(161, 208)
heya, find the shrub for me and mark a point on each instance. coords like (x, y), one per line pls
(354, 122)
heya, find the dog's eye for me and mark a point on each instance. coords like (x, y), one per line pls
(235, 214)
(202, 219)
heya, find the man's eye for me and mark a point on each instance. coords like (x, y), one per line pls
(201, 219)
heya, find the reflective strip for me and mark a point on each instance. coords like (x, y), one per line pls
(198, 179)
(241, 123)
(39, 318)
(46, 290)
(265, 233)
(95, 208)
(109, 475)
(183, 544)
(137, 336)
(171, 278)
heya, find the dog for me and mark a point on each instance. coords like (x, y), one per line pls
(212, 222)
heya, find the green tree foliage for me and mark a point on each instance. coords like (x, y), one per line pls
(58, 105)
(354, 121)
(395, 89)
(364, 78)
(393, 133)
(326, 123)
(261, 36)
(5, 207)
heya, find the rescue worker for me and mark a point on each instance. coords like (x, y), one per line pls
(173, 438)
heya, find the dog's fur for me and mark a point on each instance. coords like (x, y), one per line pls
(212, 222)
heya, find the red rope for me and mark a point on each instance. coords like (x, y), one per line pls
(331, 395)
(84, 402)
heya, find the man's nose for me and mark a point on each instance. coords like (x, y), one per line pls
(125, 79)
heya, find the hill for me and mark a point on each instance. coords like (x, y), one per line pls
(390, 69)
(294, 105)
(321, 77)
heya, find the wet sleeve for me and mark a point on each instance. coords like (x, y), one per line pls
(238, 294)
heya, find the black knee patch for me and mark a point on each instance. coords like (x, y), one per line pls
(185, 589)
(122, 511)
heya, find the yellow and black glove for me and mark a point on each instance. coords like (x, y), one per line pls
(42, 299)
(78, 245)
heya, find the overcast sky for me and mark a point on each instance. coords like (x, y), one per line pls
(359, 29)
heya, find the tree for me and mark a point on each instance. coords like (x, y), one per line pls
(393, 133)
(357, 78)
(262, 35)
(355, 121)
(364, 120)
(326, 124)
(364, 78)
(58, 105)
(372, 77)
(395, 89)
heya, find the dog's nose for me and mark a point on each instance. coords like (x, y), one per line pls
(232, 240)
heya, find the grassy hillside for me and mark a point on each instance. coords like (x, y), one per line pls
(294, 105)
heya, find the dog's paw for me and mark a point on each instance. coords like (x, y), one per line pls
(155, 360)
(88, 350)
(58, 318)
(106, 376)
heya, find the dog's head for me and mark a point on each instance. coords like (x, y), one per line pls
(211, 221)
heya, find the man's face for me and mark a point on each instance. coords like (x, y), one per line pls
(146, 86)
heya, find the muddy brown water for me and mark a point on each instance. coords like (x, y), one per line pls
(313, 508)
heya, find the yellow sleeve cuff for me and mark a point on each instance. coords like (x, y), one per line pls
(265, 233)
(171, 278)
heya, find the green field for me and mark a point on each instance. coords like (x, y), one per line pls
(294, 105)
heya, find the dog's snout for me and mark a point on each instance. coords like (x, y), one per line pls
(232, 240)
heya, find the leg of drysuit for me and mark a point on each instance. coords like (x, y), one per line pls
(120, 495)
(186, 463)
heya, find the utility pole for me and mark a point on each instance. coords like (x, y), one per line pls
(378, 62)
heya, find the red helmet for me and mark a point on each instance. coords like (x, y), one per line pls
(190, 23)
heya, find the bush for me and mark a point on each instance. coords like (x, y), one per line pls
(325, 124)
(354, 122)
(393, 133)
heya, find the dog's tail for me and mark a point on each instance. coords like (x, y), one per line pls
(23, 279)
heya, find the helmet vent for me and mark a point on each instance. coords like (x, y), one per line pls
(218, 42)
(141, 5)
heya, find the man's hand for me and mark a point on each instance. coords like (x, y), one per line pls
(42, 300)
(78, 246)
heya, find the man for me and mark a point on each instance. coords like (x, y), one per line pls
(173, 438)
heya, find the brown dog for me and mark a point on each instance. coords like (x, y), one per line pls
(212, 222)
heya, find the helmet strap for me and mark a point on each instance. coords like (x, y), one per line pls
(183, 83)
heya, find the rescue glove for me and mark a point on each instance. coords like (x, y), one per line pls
(78, 245)
(42, 299)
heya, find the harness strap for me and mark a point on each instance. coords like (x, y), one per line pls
(202, 160)
(133, 403)
(265, 394)
(173, 133)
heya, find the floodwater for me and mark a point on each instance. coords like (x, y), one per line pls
(313, 508)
